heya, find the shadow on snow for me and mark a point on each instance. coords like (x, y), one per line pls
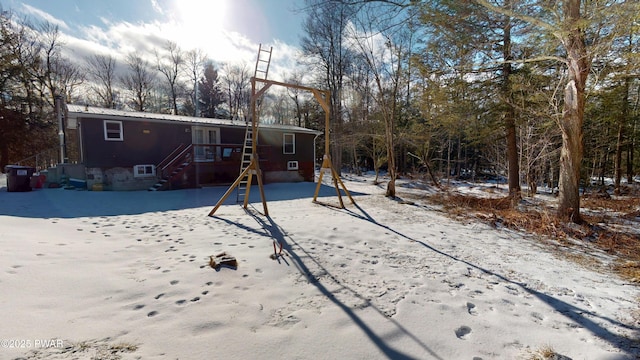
(61, 203)
(279, 235)
(588, 319)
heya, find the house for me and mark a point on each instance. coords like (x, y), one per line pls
(127, 150)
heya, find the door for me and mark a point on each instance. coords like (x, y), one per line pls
(204, 140)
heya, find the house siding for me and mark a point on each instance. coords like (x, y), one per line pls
(143, 143)
(149, 141)
(271, 153)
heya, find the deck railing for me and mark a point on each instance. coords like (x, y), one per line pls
(178, 155)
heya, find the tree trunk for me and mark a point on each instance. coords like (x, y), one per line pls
(337, 131)
(632, 141)
(356, 162)
(622, 122)
(572, 115)
(391, 188)
(570, 158)
(459, 157)
(449, 160)
(618, 158)
(604, 161)
(391, 157)
(509, 116)
(512, 158)
(630, 150)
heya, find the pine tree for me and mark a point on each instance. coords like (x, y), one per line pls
(210, 95)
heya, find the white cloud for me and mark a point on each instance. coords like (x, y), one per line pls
(156, 6)
(220, 45)
(188, 28)
(45, 16)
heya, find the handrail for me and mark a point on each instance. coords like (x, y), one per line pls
(170, 157)
(175, 159)
(38, 155)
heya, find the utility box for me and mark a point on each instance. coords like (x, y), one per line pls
(19, 177)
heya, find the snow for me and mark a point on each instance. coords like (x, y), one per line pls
(126, 275)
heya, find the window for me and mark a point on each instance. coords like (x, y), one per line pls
(113, 130)
(203, 138)
(144, 171)
(289, 144)
(292, 165)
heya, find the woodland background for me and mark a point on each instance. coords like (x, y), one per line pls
(520, 91)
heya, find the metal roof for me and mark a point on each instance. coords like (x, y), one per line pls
(82, 111)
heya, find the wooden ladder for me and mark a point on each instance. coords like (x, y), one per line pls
(245, 161)
(249, 164)
(262, 63)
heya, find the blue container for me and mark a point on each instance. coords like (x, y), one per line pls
(77, 183)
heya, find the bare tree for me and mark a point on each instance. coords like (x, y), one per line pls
(25, 49)
(169, 67)
(58, 76)
(277, 108)
(69, 77)
(384, 53)
(138, 81)
(101, 69)
(194, 65)
(297, 95)
(237, 83)
(324, 46)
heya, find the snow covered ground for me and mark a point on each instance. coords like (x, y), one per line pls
(114, 275)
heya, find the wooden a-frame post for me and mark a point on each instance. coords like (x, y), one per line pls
(327, 166)
(254, 165)
(322, 96)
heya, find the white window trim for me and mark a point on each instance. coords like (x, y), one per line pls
(121, 135)
(217, 153)
(292, 165)
(284, 143)
(147, 171)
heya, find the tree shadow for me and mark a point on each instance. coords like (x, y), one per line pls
(288, 243)
(61, 203)
(576, 314)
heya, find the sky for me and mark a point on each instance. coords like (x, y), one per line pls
(226, 30)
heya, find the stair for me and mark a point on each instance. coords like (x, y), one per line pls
(173, 166)
(162, 184)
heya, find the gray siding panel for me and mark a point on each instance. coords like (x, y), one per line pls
(149, 142)
(143, 143)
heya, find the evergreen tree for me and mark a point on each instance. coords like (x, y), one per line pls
(210, 95)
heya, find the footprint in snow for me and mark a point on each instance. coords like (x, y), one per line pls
(463, 332)
(471, 309)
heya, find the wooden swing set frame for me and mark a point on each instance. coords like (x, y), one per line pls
(323, 98)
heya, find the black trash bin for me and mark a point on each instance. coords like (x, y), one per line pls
(19, 177)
